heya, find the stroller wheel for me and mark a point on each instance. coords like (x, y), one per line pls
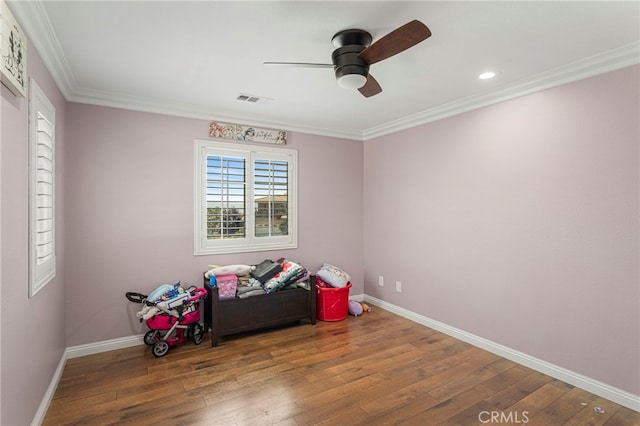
(160, 348)
(198, 334)
(150, 337)
(190, 330)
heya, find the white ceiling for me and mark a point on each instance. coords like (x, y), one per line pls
(194, 58)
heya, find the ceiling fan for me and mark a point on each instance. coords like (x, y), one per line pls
(354, 53)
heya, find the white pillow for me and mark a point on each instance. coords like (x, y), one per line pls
(238, 270)
(333, 276)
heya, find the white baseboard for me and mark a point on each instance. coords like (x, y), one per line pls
(74, 352)
(357, 297)
(611, 393)
(596, 387)
(51, 390)
(107, 345)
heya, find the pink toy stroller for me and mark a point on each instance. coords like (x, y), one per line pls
(172, 318)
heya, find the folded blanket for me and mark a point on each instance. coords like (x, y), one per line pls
(291, 272)
(253, 292)
(248, 289)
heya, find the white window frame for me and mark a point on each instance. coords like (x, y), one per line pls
(42, 154)
(250, 243)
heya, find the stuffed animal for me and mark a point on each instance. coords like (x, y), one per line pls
(150, 311)
(355, 308)
(239, 270)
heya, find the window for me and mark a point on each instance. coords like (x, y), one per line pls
(42, 250)
(245, 198)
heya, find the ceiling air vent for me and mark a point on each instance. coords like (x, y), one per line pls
(253, 99)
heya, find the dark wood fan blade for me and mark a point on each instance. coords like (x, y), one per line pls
(370, 88)
(300, 64)
(395, 42)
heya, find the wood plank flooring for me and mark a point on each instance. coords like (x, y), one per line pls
(376, 369)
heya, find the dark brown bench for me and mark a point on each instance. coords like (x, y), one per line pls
(231, 316)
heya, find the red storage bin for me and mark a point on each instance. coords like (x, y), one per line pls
(332, 304)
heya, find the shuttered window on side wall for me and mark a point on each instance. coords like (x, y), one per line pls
(42, 135)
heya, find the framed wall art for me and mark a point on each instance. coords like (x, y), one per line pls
(13, 52)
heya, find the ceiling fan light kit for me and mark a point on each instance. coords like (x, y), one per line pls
(351, 81)
(354, 53)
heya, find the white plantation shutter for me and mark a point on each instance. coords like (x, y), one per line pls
(42, 190)
(271, 188)
(226, 201)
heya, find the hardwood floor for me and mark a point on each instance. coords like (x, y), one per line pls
(376, 369)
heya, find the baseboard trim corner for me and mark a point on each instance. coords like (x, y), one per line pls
(74, 352)
(38, 418)
(596, 387)
(357, 297)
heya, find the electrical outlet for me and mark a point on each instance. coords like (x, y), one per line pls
(398, 286)
(380, 280)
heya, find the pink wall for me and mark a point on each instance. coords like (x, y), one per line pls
(519, 223)
(33, 339)
(130, 185)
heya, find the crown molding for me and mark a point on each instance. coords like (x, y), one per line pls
(611, 60)
(36, 24)
(119, 100)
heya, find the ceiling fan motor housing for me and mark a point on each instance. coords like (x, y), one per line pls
(346, 37)
(347, 62)
(348, 44)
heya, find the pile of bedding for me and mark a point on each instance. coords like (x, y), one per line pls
(265, 278)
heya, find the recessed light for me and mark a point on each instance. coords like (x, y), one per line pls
(487, 75)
